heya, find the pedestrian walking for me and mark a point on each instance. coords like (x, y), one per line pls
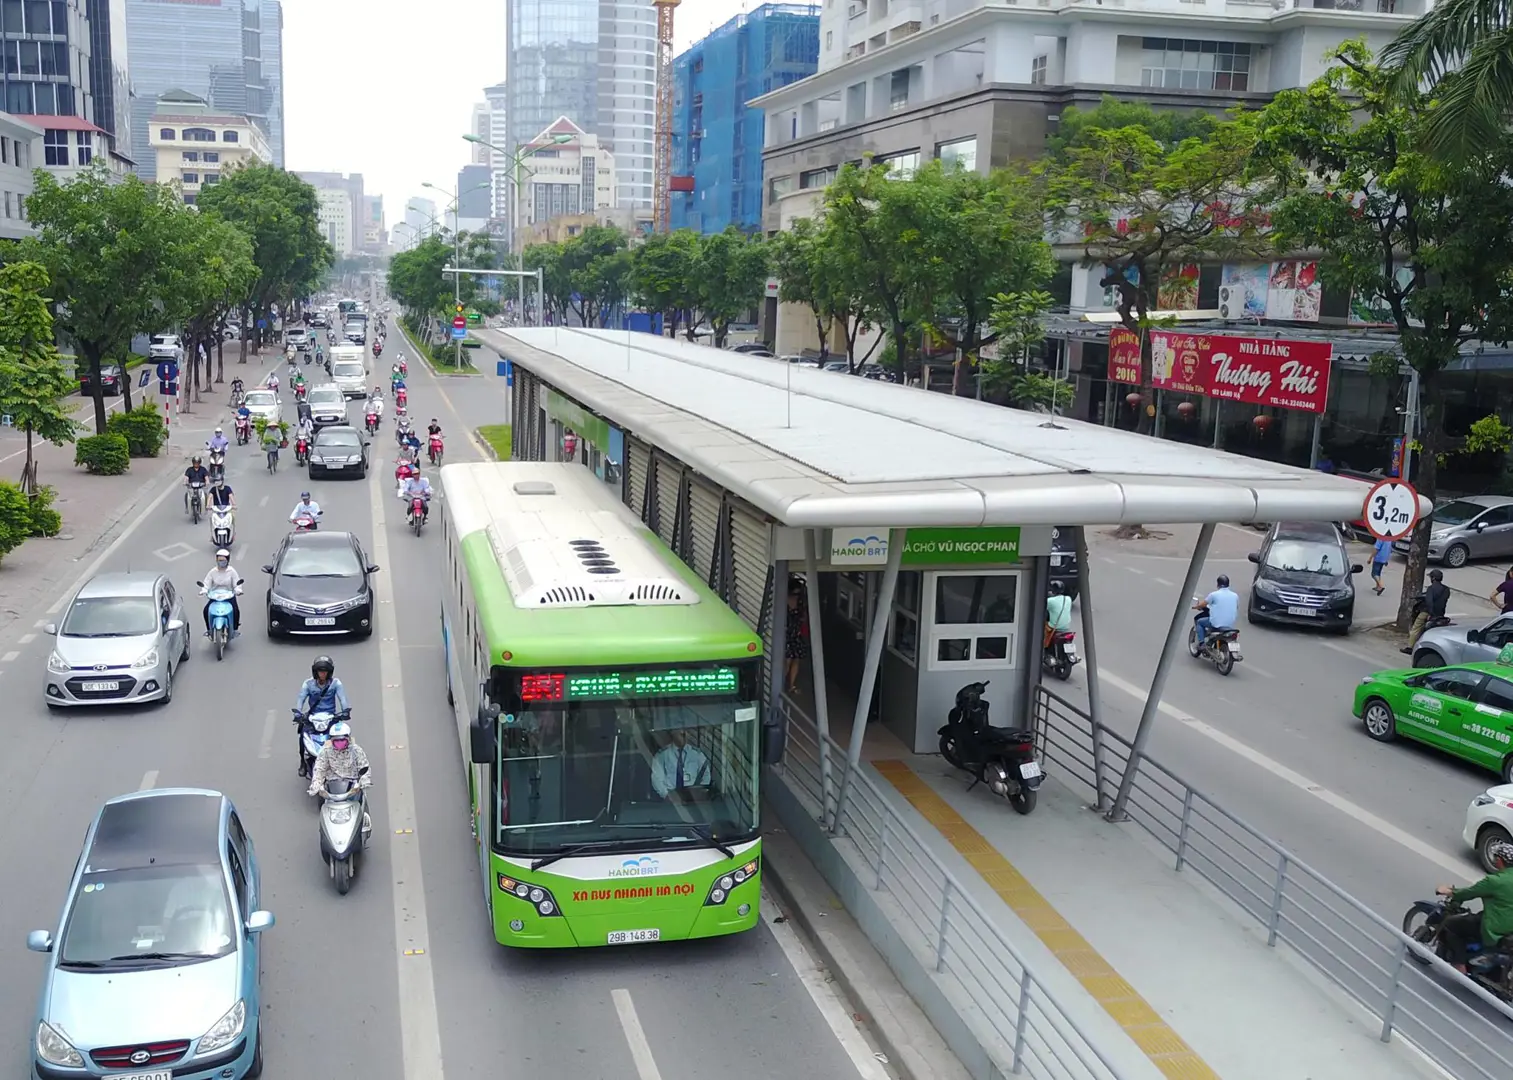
(1380, 556)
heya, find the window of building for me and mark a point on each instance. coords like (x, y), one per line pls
(191, 155)
(8, 204)
(12, 17)
(23, 154)
(55, 58)
(817, 178)
(191, 178)
(829, 36)
(1038, 68)
(18, 98)
(31, 57)
(60, 17)
(39, 18)
(1178, 64)
(167, 133)
(55, 147)
(212, 178)
(46, 103)
(66, 105)
(212, 155)
(84, 144)
(902, 166)
(961, 152)
(21, 206)
(974, 620)
(5, 158)
(11, 57)
(197, 135)
(777, 187)
(898, 89)
(229, 136)
(903, 621)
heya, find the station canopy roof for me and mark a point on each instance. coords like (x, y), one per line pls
(817, 449)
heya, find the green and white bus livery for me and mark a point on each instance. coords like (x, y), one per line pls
(608, 705)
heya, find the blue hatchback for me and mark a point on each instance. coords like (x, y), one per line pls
(153, 973)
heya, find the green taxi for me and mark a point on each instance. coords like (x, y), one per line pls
(1465, 710)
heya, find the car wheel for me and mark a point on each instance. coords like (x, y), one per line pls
(1456, 556)
(185, 654)
(1507, 769)
(1428, 658)
(1250, 615)
(1489, 836)
(168, 686)
(1379, 722)
(256, 1068)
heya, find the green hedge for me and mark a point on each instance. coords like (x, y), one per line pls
(104, 455)
(142, 428)
(45, 520)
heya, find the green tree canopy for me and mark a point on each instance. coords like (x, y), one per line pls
(33, 381)
(1462, 53)
(664, 277)
(416, 279)
(1169, 127)
(732, 274)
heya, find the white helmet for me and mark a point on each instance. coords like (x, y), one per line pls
(222, 553)
(218, 429)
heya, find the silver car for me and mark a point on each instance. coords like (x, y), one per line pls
(1476, 527)
(121, 641)
(265, 403)
(1453, 644)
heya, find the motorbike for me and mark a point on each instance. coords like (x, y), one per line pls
(1002, 758)
(1060, 655)
(217, 465)
(300, 390)
(378, 348)
(417, 514)
(304, 523)
(345, 828)
(370, 421)
(1220, 646)
(238, 396)
(435, 450)
(401, 434)
(1489, 968)
(404, 368)
(222, 527)
(243, 430)
(301, 450)
(220, 617)
(401, 398)
(312, 735)
(196, 502)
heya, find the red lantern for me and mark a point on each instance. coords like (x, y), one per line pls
(1262, 422)
(1186, 409)
(1133, 399)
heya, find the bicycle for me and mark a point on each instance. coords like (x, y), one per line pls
(273, 458)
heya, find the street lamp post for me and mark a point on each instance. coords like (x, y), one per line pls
(517, 160)
(456, 207)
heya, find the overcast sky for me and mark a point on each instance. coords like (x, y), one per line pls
(386, 87)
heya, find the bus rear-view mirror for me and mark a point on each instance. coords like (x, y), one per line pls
(483, 734)
(774, 742)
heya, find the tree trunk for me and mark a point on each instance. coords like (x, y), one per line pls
(1432, 399)
(97, 389)
(29, 477)
(220, 355)
(246, 318)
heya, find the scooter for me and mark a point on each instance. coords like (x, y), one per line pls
(345, 828)
(222, 527)
(1489, 968)
(1060, 656)
(435, 450)
(312, 736)
(417, 514)
(304, 523)
(243, 430)
(301, 450)
(401, 398)
(1002, 758)
(220, 616)
(1220, 646)
(217, 465)
(370, 421)
(196, 502)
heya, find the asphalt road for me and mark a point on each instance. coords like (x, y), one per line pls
(341, 994)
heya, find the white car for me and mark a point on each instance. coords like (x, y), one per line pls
(265, 403)
(1489, 820)
(165, 347)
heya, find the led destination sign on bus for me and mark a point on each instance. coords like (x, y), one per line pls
(607, 685)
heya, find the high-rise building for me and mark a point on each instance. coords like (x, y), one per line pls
(593, 61)
(109, 78)
(334, 215)
(478, 125)
(568, 172)
(420, 218)
(228, 52)
(499, 165)
(51, 73)
(473, 199)
(717, 139)
(375, 237)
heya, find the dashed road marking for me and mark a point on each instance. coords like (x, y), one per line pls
(635, 1035)
(149, 780)
(270, 722)
(8, 657)
(26, 639)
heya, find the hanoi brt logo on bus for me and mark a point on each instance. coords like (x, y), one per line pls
(645, 866)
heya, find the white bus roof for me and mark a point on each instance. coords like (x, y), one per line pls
(816, 449)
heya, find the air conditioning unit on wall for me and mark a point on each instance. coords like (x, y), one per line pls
(1231, 302)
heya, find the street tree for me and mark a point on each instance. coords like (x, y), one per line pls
(1459, 52)
(212, 270)
(663, 277)
(34, 384)
(1169, 127)
(597, 265)
(732, 274)
(1433, 241)
(101, 242)
(556, 282)
(416, 279)
(797, 258)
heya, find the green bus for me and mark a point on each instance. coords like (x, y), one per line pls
(608, 705)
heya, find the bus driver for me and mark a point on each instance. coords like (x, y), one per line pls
(678, 767)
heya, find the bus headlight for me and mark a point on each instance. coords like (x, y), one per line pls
(540, 899)
(719, 892)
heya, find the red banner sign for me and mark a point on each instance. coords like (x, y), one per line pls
(1256, 371)
(1123, 356)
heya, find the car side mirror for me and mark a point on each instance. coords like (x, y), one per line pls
(483, 740)
(39, 941)
(175, 625)
(1356, 568)
(51, 629)
(1254, 556)
(259, 921)
(774, 743)
(1480, 525)
(1473, 636)
(268, 569)
(373, 569)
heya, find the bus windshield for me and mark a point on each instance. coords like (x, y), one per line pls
(626, 774)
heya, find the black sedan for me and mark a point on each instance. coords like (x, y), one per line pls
(321, 585)
(339, 449)
(1303, 577)
(112, 380)
(1064, 560)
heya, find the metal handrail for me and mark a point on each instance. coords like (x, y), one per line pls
(1015, 1016)
(1455, 1023)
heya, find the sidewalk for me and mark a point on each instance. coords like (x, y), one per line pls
(96, 509)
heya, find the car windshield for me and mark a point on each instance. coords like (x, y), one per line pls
(1457, 513)
(338, 438)
(260, 397)
(322, 560)
(122, 917)
(598, 773)
(1306, 556)
(325, 395)
(110, 616)
(348, 371)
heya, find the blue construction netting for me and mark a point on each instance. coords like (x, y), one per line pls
(717, 139)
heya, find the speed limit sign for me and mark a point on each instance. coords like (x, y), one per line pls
(1391, 509)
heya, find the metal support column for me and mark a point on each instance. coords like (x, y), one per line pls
(1090, 648)
(817, 666)
(1038, 570)
(777, 637)
(1174, 640)
(1318, 431)
(875, 634)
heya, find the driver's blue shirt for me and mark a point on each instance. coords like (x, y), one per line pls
(1223, 608)
(314, 698)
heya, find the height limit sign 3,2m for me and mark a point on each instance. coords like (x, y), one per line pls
(1391, 509)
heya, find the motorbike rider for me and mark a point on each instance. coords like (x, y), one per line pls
(305, 507)
(376, 402)
(223, 576)
(1219, 609)
(218, 442)
(221, 496)
(434, 427)
(1495, 919)
(341, 759)
(238, 390)
(401, 426)
(411, 443)
(1058, 612)
(195, 474)
(306, 428)
(1430, 611)
(272, 383)
(418, 486)
(321, 692)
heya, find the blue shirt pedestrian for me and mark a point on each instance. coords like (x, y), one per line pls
(1381, 555)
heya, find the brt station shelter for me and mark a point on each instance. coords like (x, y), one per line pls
(920, 523)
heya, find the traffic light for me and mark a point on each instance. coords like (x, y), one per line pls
(459, 308)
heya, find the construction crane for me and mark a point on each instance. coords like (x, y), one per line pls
(662, 147)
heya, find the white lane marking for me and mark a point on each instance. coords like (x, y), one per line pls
(1162, 581)
(108, 408)
(149, 780)
(263, 501)
(26, 639)
(40, 624)
(8, 657)
(1368, 818)
(822, 992)
(241, 553)
(1134, 570)
(635, 1035)
(265, 748)
(1374, 661)
(419, 1025)
(1258, 670)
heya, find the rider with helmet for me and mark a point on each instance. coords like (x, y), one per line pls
(218, 441)
(223, 576)
(1492, 923)
(195, 474)
(321, 692)
(1058, 612)
(1219, 608)
(340, 759)
(417, 486)
(306, 507)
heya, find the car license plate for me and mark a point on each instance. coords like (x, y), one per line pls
(335, 464)
(1029, 770)
(1055, 560)
(323, 621)
(1308, 611)
(97, 687)
(629, 937)
(161, 1074)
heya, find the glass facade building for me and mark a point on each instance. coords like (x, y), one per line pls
(229, 52)
(717, 139)
(45, 58)
(594, 62)
(109, 80)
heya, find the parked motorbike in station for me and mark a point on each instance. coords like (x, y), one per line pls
(345, 828)
(1002, 758)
